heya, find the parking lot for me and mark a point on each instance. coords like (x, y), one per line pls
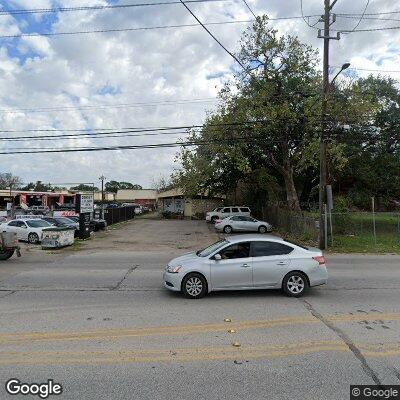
(97, 319)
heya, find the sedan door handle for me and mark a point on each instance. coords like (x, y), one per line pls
(281, 263)
(245, 265)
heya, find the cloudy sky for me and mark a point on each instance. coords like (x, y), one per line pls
(118, 80)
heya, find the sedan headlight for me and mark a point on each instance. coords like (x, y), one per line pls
(173, 270)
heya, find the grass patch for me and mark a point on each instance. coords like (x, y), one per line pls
(364, 243)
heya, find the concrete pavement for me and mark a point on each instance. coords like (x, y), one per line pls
(98, 321)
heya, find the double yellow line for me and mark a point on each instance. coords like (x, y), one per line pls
(264, 351)
(11, 338)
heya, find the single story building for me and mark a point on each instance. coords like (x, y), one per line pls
(30, 198)
(175, 201)
(144, 197)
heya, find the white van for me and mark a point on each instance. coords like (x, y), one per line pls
(221, 213)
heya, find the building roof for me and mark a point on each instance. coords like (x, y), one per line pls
(134, 194)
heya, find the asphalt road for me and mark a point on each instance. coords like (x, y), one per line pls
(98, 321)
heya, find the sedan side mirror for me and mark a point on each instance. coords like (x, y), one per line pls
(217, 257)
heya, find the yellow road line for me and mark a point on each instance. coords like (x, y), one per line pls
(7, 338)
(265, 351)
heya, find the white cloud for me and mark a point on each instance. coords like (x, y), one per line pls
(139, 67)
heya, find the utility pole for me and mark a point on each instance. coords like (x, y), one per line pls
(326, 85)
(102, 178)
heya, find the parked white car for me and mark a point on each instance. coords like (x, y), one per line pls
(30, 230)
(221, 213)
(246, 262)
(240, 223)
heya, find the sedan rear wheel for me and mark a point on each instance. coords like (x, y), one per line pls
(33, 238)
(194, 286)
(228, 229)
(295, 284)
(262, 229)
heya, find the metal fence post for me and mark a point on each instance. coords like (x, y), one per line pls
(373, 218)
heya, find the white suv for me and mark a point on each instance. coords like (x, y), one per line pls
(221, 213)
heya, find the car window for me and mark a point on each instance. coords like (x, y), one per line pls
(244, 209)
(38, 223)
(235, 219)
(249, 219)
(236, 250)
(210, 249)
(226, 210)
(13, 223)
(264, 248)
(235, 209)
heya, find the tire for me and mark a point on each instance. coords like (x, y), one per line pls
(33, 238)
(262, 229)
(194, 286)
(5, 255)
(228, 229)
(213, 219)
(295, 284)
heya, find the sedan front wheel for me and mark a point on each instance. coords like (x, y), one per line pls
(194, 286)
(33, 238)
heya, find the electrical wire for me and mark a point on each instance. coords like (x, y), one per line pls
(304, 17)
(137, 130)
(145, 28)
(209, 32)
(362, 16)
(98, 7)
(246, 4)
(106, 106)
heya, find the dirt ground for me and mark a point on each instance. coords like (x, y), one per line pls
(154, 234)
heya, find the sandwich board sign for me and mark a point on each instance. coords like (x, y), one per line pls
(84, 203)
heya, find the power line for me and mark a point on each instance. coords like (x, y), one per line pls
(209, 32)
(95, 31)
(368, 14)
(246, 4)
(102, 106)
(368, 69)
(97, 8)
(362, 16)
(145, 28)
(305, 17)
(370, 29)
(135, 130)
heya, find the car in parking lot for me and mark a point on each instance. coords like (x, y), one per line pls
(221, 213)
(246, 262)
(241, 223)
(30, 229)
(39, 210)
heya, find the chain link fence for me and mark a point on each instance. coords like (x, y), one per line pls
(362, 230)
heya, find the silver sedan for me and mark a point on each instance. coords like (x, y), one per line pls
(242, 223)
(245, 262)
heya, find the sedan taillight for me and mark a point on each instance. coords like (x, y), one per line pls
(320, 259)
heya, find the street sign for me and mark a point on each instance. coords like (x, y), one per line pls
(84, 203)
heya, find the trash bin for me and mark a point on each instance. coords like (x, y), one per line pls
(56, 237)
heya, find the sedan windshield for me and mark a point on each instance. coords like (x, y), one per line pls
(210, 249)
(38, 223)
